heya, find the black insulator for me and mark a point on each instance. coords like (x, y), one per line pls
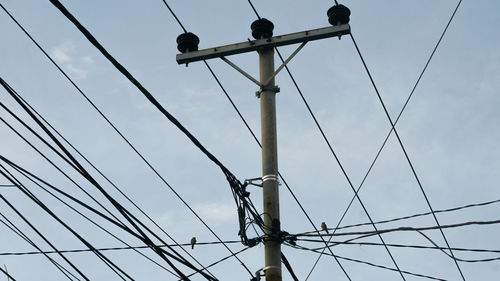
(338, 14)
(262, 28)
(187, 42)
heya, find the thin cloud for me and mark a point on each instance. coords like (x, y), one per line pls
(67, 55)
(216, 212)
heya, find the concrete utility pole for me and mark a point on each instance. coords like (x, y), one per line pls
(270, 164)
(262, 31)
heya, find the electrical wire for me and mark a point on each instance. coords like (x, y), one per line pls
(47, 159)
(401, 111)
(260, 145)
(136, 223)
(334, 155)
(23, 236)
(453, 257)
(91, 221)
(109, 181)
(251, 132)
(373, 264)
(7, 274)
(113, 248)
(403, 228)
(223, 259)
(434, 247)
(177, 19)
(106, 261)
(254, 10)
(108, 121)
(404, 150)
(338, 162)
(24, 172)
(258, 142)
(231, 178)
(288, 267)
(44, 238)
(338, 243)
(393, 123)
(420, 214)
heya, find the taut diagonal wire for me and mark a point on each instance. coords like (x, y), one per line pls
(406, 154)
(397, 135)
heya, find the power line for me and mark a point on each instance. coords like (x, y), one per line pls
(251, 132)
(43, 237)
(109, 122)
(393, 123)
(23, 236)
(404, 150)
(260, 145)
(285, 261)
(403, 228)
(128, 230)
(338, 162)
(108, 262)
(254, 10)
(44, 156)
(113, 248)
(177, 19)
(79, 168)
(255, 138)
(401, 111)
(453, 257)
(333, 153)
(288, 267)
(223, 259)
(258, 142)
(435, 247)
(421, 214)
(113, 184)
(116, 222)
(87, 218)
(371, 264)
(235, 184)
(338, 243)
(7, 274)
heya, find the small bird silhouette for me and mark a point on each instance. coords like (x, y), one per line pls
(323, 227)
(193, 241)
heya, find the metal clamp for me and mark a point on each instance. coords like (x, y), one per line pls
(271, 267)
(270, 178)
(274, 89)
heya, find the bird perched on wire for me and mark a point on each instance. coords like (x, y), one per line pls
(193, 241)
(323, 227)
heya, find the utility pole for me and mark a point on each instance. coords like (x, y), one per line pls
(270, 192)
(262, 31)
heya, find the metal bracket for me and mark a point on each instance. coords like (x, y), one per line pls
(258, 274)
(251, 182)
(240, 70)
(285, 63)
(262, 180)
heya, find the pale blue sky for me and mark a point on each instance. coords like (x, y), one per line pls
(450, 128)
